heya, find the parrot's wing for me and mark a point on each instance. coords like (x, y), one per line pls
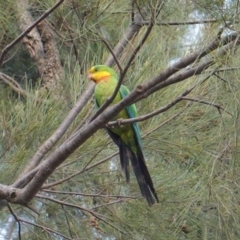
(138, 162)
(122, 152)
(96, 105)
(132, 113)
(122, 148)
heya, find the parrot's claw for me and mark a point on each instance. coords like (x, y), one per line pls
(119, 121)
(109, 126)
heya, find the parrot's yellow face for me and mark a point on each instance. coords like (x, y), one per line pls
(97, 74)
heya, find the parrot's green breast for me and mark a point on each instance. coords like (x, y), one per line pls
(103, 91)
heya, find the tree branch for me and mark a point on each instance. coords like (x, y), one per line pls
(128, 64)
(49, 185)
(16, 219)
(50, 142)
(88, 195)
(44, 228)
(13, 84)
(23, 34)
(163, 123)
(67, 148)
(123, 72)
(165, 79)
(154, 113)
(82, 209)
(219, 108)
(194, 22)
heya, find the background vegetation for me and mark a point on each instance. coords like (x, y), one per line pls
(192, 149)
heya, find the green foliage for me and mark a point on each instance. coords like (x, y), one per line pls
(7, 29)
(193, 158)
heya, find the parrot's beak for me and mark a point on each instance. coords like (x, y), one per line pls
(90, 76)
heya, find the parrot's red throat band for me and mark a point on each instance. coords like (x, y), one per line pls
(104, 78)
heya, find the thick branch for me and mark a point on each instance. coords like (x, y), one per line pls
(8, 193)
(52, 72)
(164, 79)
(49, 143)
(61, 153)
(154, 113)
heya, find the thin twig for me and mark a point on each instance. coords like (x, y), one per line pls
(110, 203)
(108, 47)
(207, 103)
(159, 8)
(51, 141)
(44, 228)
(123, 73)
(88, 194)
(85, 168)
(16, 219)
(154, 113)
(164, 79)
(4, 152)
(224, 69)
(69, 227)
(17, 88)
(84, 155)
(224, 80)
(74, 132)
(23, 34)
(139, 10)
(167, 77)
(79, 172)
(13, 85)
(162, 109)
(132, 11)
(113, 54)
(81, 208)
(183, 23)
(162, 124)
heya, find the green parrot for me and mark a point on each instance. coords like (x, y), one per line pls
(126, 137)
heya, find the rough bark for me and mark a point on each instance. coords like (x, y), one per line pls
(53, 71)
(41, 45)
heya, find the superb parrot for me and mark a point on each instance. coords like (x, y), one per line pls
(126, 137)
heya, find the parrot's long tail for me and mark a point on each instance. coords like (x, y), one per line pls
(140, 169)
(143, 177)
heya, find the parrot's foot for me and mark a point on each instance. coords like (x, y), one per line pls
(110, 126)
(119, 121)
